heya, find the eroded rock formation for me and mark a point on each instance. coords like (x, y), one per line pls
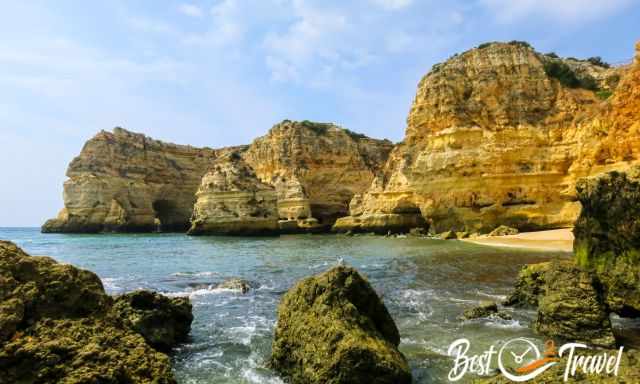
(231, 200)
(127, 182)
(333, 328)
(58, 325)
(498, 135)
(317, 168)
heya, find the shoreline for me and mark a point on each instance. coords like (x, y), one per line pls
(550, 240)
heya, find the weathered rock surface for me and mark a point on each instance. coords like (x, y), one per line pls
(231, 200)
(607, 236)
(485, 309)
(493, 137)
(316, 168)
(162, 321)
(572, 307)
(529, 286)
(503, 230)
(333, 328)
(235, 284)
(58, 325)
(127, 182)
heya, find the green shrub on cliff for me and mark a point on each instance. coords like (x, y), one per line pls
(567, 77)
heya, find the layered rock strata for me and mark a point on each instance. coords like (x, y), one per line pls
(498, 135)
(127, 182)
(333, 328)
(231, 200)
(316, 168)
(57, 325)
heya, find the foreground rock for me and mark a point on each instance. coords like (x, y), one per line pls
(529, 286)
(333, 328)
(162, 321)
(232, 201)
(572, 308)
(607, 237)
(58, 325)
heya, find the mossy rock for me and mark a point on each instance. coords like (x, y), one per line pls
(57, 325)
(162, 321)
(529, 286)
(333, 328)
(572, 307)
(607, 236)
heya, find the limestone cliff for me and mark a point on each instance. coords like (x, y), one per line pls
(232, 201)
(316, 168)
(127, 182)
(499, 135)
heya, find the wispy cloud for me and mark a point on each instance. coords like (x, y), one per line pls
(509, 11)
(393, 4)
(191, 10)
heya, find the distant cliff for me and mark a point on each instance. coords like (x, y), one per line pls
(127, 182)
(499, 135)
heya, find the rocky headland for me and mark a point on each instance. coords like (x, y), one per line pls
(58, 325)
(499, 135)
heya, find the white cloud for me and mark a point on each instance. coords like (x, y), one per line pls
(191, 10)
(508, 11)
(393, 4)
(227, 26)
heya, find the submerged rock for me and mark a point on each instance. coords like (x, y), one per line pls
(333, 328)
(607, 236)
(241, 285)
(57, 325)
(485, 309)
(503, 230)
(162, 321)
(572, 308)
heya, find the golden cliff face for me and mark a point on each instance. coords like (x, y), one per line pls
(127, 182)
(494, 137)
(316, 168)
(232, 201)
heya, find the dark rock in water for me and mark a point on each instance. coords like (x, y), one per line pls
(572, 308)
(418, 232)
(162, 321)
(529, 286)
(485, 309)
(57, 325)
(607, 236)
(503, 230)
(448, 235)
(236, 284)
(333, 328)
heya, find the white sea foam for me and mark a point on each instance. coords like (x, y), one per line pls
(504, 324)
(496, 297)
(110, 285)
(195, 274)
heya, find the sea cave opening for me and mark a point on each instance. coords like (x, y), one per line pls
(168, 217)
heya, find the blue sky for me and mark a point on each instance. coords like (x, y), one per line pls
(221, 72)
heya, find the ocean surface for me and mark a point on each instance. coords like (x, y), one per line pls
(426, 284)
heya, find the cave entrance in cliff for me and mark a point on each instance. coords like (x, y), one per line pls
(167, 216)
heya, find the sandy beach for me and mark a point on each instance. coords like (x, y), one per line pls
(552, 240)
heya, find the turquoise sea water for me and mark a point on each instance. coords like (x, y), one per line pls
(426, 284)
